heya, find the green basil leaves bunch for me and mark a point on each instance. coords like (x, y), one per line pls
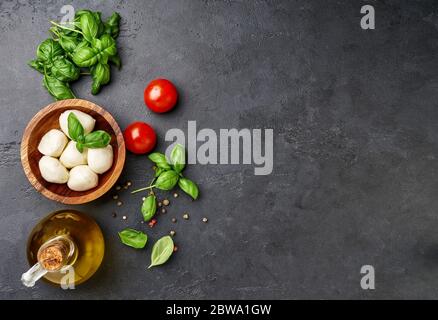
(87, 42)
(168, 174)
(93, 140)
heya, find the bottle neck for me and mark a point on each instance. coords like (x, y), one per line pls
(52, 256)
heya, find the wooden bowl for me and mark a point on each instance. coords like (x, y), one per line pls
(48, 118)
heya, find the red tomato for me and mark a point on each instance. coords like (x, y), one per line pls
(140, 138)
(160, 95)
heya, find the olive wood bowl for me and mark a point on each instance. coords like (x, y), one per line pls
(47, 119)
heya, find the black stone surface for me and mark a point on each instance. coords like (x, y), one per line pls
(355, 119)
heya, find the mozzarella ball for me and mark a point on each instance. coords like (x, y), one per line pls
(86, 120)
(100, 160)
(52, 170)
(82, 178)
(71, 157)
(52, 143)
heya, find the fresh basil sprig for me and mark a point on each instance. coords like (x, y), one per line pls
(133, 238)
(168, 175)
(93, 140)
(161, 251)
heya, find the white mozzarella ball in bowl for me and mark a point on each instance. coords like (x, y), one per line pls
(82, 178)
(100, 160)
(71, 157)
(52, 143)
(52, 170)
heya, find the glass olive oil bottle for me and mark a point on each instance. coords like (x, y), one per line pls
(66, 240)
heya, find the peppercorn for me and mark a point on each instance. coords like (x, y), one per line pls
(119, 203)
(124, 217)
(152, 223)
(160, 204)
(175, 248)
(186, 216)
(174, 220)
(166, 202)
(163, 211)
(115, 197)
(175, 195)
(172, 233)
(118, 188)
(204, 220)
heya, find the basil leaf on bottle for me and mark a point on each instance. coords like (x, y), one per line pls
(160, 160)
(112, 25)
(97, 139)
(101, 75)
(49, 49)
(84, 56)
(167, 180)
(37, 65)
(75, 128)
(178, 158)
(189, 187)
(63, 70)
(89, 26)
(161, 251)
(57, 89)
(149, 207)
(133, 238)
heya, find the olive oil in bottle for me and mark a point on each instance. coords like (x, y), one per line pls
(66, 240)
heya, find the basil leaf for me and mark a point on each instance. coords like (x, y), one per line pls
(189, 187)
(37, 65)
(133, 238)
(75, 128)
(97, 139)
(89, 26)
(116, 61)
(49, 49)
(178, 158)
(79, 147)
(160, 160)
(161, 251)
(105, 47)
(158, 171)
(81, 12)
(149, 207)
(112, 25)
(63, 70)
(69, 43)
(101, 75)
(167, 180)
(57, 89)
(84, 56)
(100, 26)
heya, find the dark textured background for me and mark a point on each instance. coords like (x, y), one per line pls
(355, 121)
